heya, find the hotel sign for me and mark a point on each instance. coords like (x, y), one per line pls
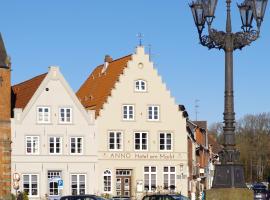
(142, 156)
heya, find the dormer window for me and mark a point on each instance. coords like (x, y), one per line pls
(140, 86)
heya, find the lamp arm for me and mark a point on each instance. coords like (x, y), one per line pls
(215, 39)
(242, 39)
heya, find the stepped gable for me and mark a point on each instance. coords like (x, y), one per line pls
(98, 86)
(23, 92)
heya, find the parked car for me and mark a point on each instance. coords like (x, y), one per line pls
(260, 192)
(179, 197)
(120, 198)
(165, 197)
(82, 197)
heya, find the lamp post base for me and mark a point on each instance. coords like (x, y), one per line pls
(229, 176)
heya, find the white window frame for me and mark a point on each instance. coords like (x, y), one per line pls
(126, 117)
(30, 184)
(76, 145)
(107, 173)
(166, 145)
(41, 117)
(115, 141)
(169, 173)
(151, 174)
(78, 182)
(65, 121)
(139, 84)
(151, 113)
(32, 137)
(141, 143)
(54, 143)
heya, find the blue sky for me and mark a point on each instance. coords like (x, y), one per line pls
(76, 35)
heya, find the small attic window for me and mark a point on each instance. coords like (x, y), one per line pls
(140, 86)
(47, 89)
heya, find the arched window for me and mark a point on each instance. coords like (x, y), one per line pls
(140, 86)
(107, 179)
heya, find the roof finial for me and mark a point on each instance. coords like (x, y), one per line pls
(140, 36)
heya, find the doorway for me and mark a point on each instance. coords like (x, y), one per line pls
(123, 182)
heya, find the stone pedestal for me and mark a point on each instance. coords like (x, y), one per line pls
(229, 194)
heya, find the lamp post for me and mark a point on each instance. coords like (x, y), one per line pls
(229, 174)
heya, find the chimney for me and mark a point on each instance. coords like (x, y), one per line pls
(107, 60)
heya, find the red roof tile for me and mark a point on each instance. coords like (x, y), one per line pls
(96, 89)
(23, 92)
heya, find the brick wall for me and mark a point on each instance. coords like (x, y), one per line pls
(5, 132)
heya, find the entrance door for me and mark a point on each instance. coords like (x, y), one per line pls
(123, 182)
(53, 177)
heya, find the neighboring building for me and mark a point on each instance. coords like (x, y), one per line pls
(53, 138)
(198, 155)
(5, 115)
(214, 148)
(142, 135)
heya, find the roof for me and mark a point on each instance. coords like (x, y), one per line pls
(201, 124)
(95, 91)
(23, 92)
(3, 54)
(216, 147)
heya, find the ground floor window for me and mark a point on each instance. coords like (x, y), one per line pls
(107, 181)
(30, 184)
(53, 177)
(78, 185)
(169, 178)
(150, 178)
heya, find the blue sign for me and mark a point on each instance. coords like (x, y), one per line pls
(60, 184)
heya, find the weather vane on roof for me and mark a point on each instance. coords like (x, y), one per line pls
(140, 36)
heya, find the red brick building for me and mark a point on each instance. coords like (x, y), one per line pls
(5, 115)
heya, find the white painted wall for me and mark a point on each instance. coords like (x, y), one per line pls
(24, 124)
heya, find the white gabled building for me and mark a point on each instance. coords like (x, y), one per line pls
(53, 138)
(141, 132)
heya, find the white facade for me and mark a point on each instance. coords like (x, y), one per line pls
(143, 134)
(54, 138)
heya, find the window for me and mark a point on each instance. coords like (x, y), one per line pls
(43, 115)
(153, 113)
(115, 140)
(128, 112)
(32, 145)
(65, 115)
(107, 180)
(30, 184)
(76, 145)
(150, 178)
(140, 86)
(78, 184)
(140, 141)
(169, 178)
(165, 141)
(53, 177)
(55, 145)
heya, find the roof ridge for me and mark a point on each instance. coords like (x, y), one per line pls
(29, 79)
(117, 59)
(122, 57)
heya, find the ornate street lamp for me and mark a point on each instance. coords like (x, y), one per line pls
(229, 174)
